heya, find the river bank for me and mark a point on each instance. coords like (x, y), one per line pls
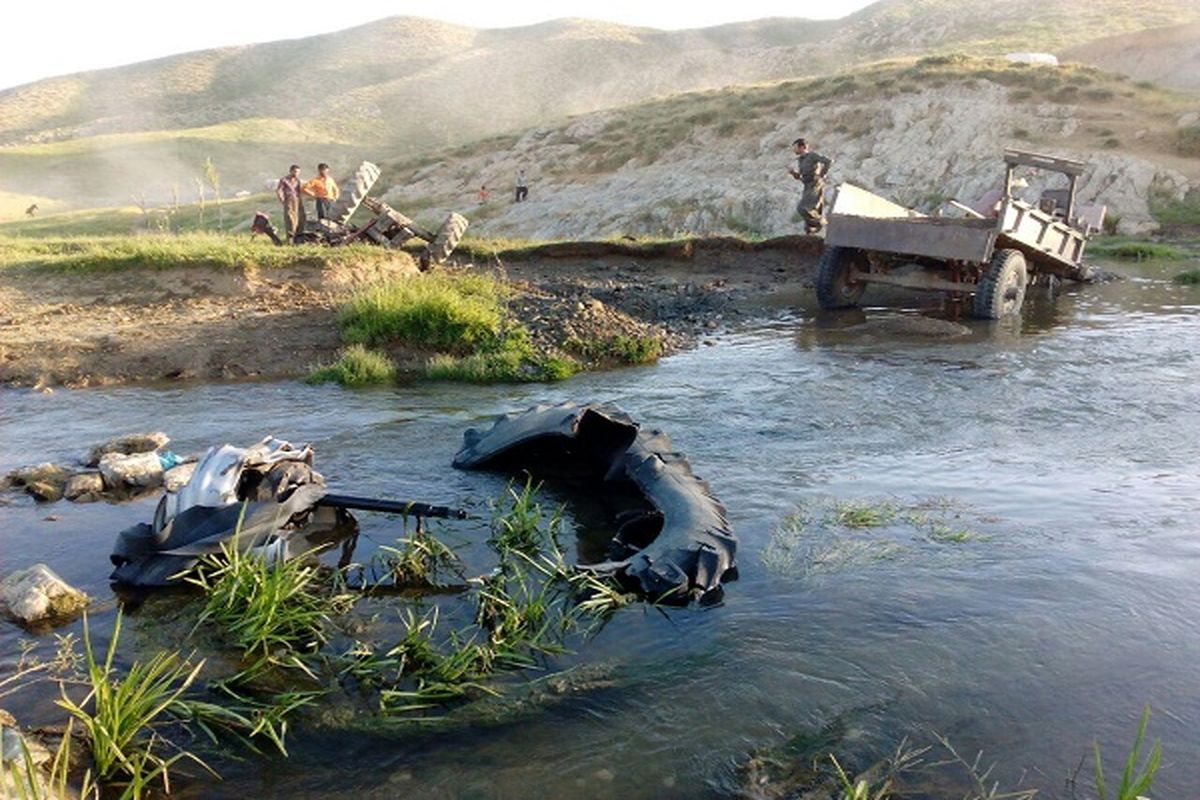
(141, 324)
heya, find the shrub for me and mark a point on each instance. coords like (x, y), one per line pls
(1187, 141)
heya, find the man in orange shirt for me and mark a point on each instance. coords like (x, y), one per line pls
(324, 188)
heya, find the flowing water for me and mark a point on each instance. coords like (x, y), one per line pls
(1061, 455)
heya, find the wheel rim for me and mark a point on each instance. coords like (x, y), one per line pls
(847, 289)
(1011, 292)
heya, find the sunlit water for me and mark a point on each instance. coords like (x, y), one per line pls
(1069, 446)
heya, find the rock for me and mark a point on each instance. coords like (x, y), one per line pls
(14, 746)
(45, 492)
(1188, 120)
(37, 594)
(176, 478)
(40, 473)
(7, 719)
(83, 487)
(122, 471)
(128, 444)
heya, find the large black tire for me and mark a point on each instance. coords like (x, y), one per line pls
(1001, 289)
(834, 287)
(353, 192)
(448, 237)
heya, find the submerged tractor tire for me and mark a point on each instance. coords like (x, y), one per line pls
(448, 237)
(835, 289)
(1001, 290)
(353, 193)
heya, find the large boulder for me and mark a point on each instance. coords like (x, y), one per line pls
(37, 595)
(138, 470)
(128, 444)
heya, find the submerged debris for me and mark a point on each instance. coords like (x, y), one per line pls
(682, 549)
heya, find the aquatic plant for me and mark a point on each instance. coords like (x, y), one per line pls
(1189, 277)
(120, 716)
(983, 786)
(356, 366)
(273, 609)
(1136, 778)
(862, 514)
(418, 560)
(523, 526)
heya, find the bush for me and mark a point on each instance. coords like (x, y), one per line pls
(1187, 141)
(1189, 277)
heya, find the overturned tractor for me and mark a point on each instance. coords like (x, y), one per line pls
(387, 228)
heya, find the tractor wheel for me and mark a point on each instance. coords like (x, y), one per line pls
(448, 237)
(835, 289)
(1001, 289)
(353, 193)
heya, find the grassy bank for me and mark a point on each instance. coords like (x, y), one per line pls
(165, 251)
(1132, 249)
(461, 319)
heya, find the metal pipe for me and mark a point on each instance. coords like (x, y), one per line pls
(406, 507)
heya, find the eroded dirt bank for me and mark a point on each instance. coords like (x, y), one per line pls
(197, 323)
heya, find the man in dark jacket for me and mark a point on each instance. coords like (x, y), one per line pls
(810, 170)
(288, 192)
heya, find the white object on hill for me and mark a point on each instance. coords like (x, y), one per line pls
(1033, 58)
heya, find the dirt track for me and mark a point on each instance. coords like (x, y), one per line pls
(205, 324)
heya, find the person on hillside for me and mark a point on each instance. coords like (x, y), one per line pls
(288, 192)
(32, 210)
(810, 170)
(324, 188)
(484, 194)
(522, 187)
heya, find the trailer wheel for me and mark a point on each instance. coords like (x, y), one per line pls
(835, 289)
(1001, 290)
(448, 237)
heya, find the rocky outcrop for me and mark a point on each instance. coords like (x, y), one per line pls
(37, 596)
(917, 148)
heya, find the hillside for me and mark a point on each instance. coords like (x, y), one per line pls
(918, 131)
(1168, 56)
(403, 86)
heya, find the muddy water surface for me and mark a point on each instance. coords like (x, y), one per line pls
(1064, 450)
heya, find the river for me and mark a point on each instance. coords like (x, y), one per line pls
(1064, 450)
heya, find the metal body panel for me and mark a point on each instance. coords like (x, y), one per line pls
(932, 237)
(1046, 241)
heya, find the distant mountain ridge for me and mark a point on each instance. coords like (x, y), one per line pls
(404, 85)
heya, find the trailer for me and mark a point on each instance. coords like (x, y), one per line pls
(992, 259)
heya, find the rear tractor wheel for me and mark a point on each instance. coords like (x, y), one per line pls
(1001, 289)
(835, 286)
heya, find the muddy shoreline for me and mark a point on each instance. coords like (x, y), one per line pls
(193, 323)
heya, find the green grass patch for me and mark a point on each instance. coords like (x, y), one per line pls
(619, 348)
(458, 312)
(463, 315)
(115, 253)
(357, 366)
(1189, 277)
(1136, 249)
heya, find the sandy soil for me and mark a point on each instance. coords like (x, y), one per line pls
(189, 324)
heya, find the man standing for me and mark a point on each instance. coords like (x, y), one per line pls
(288, 192)
(324, 188)
(810, 170)
(522, 188)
